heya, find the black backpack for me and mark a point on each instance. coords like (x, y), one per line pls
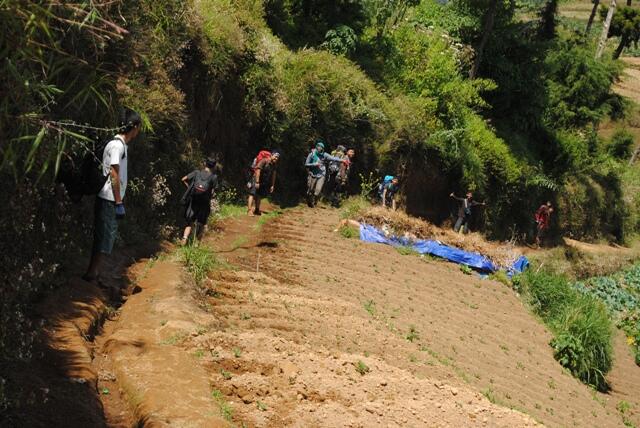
(202, 183)
(92, 177)
(84, 175)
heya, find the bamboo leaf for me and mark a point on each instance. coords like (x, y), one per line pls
(34, 148)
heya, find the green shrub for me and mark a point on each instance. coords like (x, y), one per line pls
(583, 341)
(549, 295)
(621, 144)
(348, 232)
(199, 261)
(580, 323)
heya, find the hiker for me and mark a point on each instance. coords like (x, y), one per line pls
(316, 165)
(263, 179)
(464, 212)
(338, 174)
(542, 216)
(201, 184)
(109, 205)
(387, 191)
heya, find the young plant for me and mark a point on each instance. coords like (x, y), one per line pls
(362, 368)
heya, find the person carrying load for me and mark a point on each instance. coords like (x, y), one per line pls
(317, 171)
(387, 191)
(263, 179)
(338, 174)
(464, 212)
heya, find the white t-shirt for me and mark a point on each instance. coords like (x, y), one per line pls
(115, 153)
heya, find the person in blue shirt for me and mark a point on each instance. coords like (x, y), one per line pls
(316, 165)
(387, 191)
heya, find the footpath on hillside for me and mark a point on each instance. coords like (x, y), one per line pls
(299, 326)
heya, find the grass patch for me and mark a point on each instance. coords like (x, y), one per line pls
(227, 210)
(226, 411)
(353, 207)
(580, 323)
(466, 270)
(348, 232)
(406, 251)
(501, 276)
(413, 335)
(370, 307)
(490, 395)
(362, 368)
(174, 339)
(199, 261)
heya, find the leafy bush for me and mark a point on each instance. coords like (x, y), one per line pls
(621, 144)
(580, 323)
(348, 232)
(549, 295)
(583, 341)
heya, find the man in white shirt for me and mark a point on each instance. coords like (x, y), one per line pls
(109, 206)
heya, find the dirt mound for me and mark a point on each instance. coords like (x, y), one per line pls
(399, 223)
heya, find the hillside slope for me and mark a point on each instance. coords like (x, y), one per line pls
(404, 316)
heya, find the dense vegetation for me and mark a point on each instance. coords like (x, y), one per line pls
(580, 324)
(487, 95)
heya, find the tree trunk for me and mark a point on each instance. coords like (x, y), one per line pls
(634, 156)
(605, 29)
(489, 20)
(623, 43)
(596, 3)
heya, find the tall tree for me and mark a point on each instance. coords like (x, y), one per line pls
(547, 28)
(594, 10)
(605, 29)
(489, 20)
(625, 25)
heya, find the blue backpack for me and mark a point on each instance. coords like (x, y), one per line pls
(385, 182)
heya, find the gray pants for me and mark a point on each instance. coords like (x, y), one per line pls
(314, 185)
(462, 222)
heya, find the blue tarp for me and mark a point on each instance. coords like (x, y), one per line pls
(474, 260)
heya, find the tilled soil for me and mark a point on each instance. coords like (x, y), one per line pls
(307, 328)
(439, 345)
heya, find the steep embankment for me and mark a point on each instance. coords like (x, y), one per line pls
(312, 329)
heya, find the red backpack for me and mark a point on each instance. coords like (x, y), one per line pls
(262, 154)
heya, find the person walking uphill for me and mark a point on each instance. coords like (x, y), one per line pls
(316, 165)
(464, 212)
(542, 217)
(109, 204)
(338, 174)
(387, 191)
(201, 184)
(263, 179)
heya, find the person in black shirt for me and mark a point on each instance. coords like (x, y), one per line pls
(197, 199)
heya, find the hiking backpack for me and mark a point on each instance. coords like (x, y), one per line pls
(387, 179)
(83, 174)
(201, 183)
(334, 166)
(262, 154)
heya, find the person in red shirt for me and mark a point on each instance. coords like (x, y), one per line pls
(542, 216)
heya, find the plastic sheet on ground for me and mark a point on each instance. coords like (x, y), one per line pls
(476, 261)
